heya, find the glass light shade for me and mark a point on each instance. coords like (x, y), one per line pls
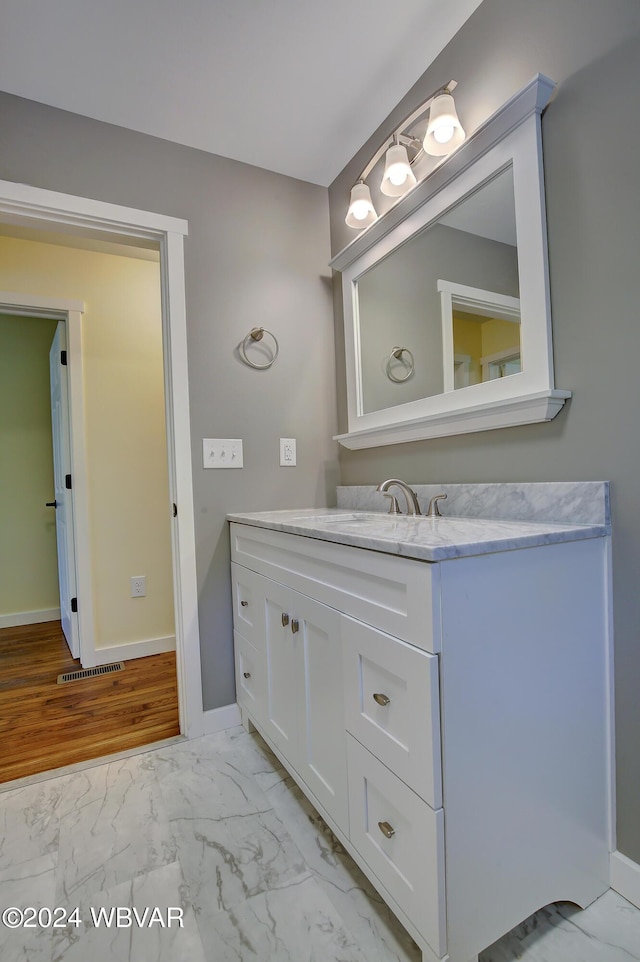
(398, 177)
(444, 130)
(361, 211)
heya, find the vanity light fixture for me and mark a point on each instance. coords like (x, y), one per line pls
(398, 177)
(361, 211)
(444, 131)
(403, 148)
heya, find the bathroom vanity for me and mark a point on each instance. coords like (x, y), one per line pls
(440, 690)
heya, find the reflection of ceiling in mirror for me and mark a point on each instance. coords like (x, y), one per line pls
(489, 212)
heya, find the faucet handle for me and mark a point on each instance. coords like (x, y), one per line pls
(394, 507)
(433, 511)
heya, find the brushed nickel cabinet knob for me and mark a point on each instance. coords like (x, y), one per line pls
(381, 699)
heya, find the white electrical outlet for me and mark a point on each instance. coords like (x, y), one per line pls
(287, 452)
(222, 453)
(138, 586)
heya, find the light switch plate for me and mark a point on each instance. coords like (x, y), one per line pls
(222, 453)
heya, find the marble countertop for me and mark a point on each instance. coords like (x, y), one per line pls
(427, 539)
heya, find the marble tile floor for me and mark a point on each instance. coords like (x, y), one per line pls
(215, 828)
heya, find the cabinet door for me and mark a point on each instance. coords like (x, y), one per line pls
(282, 673)
(296, 658)
(250, 684)
(322, 763)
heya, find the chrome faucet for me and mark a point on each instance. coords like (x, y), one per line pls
(410, 496)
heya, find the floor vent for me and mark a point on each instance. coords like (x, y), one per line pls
(90, 672)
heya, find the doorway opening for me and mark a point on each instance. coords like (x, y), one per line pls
(81, 217)
(28, 553)
(46, 726)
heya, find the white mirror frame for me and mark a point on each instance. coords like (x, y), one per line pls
(511, 137)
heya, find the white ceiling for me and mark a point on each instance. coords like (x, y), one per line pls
(290, 85)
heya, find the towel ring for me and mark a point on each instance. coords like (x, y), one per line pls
(256, 334)
(396, 353)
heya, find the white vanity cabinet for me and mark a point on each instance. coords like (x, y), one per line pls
(449, 720)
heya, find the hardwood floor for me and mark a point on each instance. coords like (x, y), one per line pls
(44, 725)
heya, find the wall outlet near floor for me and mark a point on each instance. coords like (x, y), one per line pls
(222, 453)
(287, 452)
(138, 586)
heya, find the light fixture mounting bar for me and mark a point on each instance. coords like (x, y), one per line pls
(410, 119)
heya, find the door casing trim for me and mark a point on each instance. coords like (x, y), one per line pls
(34, 207)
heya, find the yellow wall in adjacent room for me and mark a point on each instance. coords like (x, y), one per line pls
(28, 558)
(129, 511)
(479, 336)
(499, 335)
(467, 339)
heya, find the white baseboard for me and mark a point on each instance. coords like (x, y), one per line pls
(217, 719)
(135, 649)
(625, 877)
(29, 617)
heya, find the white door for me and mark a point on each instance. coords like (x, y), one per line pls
(63, 501)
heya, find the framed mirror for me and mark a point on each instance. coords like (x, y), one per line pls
(446, 297)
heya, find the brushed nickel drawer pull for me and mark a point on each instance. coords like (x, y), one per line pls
(295, 625)
(247, 674)
(285, 619)
(244, 603)
(381, 699)
(387, 830)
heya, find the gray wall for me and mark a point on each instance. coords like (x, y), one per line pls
(256, 254)
(591, 151)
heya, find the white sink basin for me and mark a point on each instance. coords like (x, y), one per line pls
(355, 517)
(369, 519)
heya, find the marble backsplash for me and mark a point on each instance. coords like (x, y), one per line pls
(561, 502)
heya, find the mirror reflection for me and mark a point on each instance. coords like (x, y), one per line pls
(484, 348)
(480, 335)
(442, 311)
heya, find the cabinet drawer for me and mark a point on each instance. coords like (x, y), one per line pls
(250, 679)
(248, 604)
(392, 705)
(409, 864)
(398, 595)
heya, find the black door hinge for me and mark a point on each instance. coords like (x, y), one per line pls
(63, 357)
(67, 482)
(74, 604)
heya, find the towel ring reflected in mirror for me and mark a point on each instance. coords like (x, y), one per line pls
(256, 334)
(397, 354)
